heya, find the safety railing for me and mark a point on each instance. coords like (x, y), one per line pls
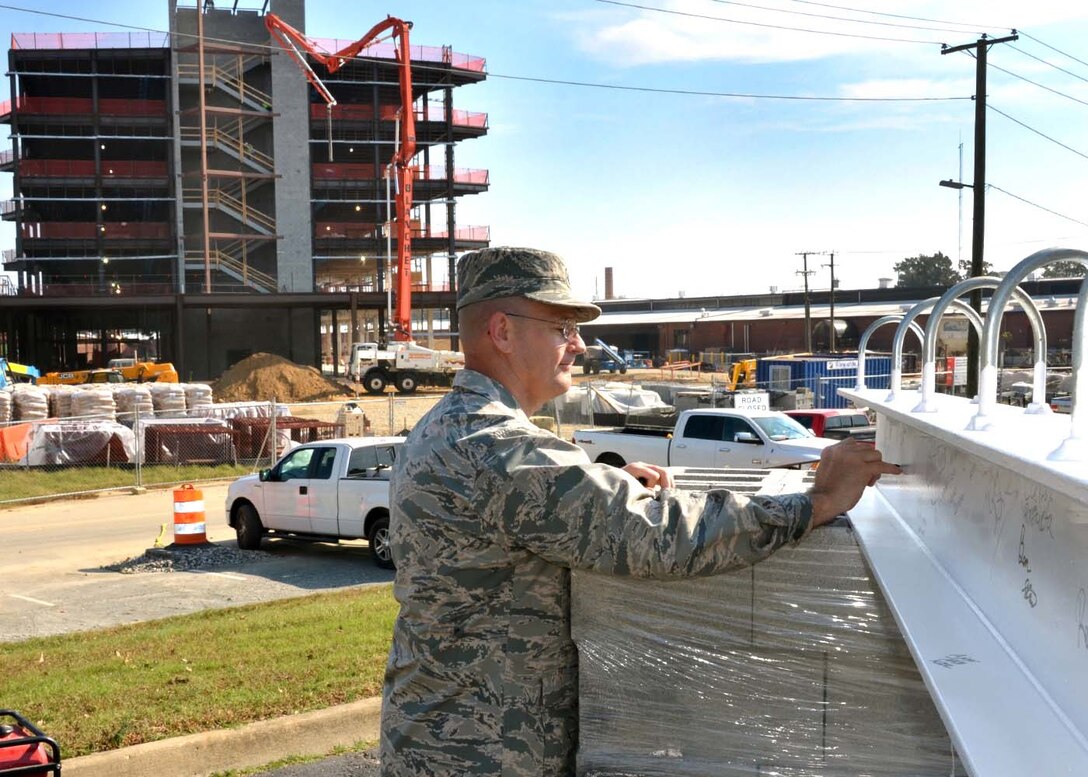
(434, 113)
(351, 171)
(226, 80)
(461, 118)
(465, 176)
(124, 230)
(237, 268)
(468, 234)
(232, 144)
(90, 40)
(244, 212)
(115, 285)
(61, 106)
(85, 168)
(442, 54)
(354, 230)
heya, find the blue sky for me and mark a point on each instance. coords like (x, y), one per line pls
(706, 194)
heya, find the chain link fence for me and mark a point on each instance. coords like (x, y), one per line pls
(66, 441)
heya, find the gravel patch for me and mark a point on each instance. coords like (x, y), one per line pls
(184, 560)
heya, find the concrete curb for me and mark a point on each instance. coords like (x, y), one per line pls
(256, 744)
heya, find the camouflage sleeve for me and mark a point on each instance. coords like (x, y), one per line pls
(542, 494)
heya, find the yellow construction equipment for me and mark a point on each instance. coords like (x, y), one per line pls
(79, 377)
(119, 371)
(742, 375)
(145, 372)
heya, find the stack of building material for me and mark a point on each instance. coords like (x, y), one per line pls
(792, 667)
(94, 402)
(31, 403)
(197, 395)
(5, 405)
(133, 402)
(60, 400)
(168, 400)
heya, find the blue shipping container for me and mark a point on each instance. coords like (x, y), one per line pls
(822, 375)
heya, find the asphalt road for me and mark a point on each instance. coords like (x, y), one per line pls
(53, 583)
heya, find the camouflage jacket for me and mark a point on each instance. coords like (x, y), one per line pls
(489, 513)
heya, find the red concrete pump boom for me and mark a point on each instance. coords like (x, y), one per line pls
(298, 46)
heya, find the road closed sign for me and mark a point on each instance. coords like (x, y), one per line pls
(752, 400)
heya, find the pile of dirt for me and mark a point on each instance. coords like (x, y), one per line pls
(265, 376)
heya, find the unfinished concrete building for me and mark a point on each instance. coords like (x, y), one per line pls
(200, 214)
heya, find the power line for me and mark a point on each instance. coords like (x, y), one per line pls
(1037, 205)
(769, 26)
(1041, 86)
(834, 18)
(1037, 132)
(1049, 64)
(592, 85)
(902, 16)
(1059, 51)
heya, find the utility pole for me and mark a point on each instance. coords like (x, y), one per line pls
(832, 298)
(808, 316)
(978, 234)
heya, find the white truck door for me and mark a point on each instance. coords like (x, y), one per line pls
(287, 493)
(365, 487)
(741, 445)
(698, 442)
(323, 486)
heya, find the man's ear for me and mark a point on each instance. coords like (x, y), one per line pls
(499, 330)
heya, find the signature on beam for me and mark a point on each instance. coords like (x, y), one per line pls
(1082, 625)
(1029, 593)
(1022, 558)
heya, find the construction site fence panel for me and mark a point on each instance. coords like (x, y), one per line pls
(65, 441)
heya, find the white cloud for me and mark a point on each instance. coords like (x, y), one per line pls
(699, 30)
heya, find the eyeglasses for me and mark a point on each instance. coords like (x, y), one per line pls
(569, 329)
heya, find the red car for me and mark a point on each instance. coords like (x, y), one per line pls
(836, 423)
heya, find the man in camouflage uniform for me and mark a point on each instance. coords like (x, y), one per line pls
(490, 513)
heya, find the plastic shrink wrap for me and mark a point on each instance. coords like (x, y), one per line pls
(793, 667)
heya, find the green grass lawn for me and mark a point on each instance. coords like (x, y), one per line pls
(106, 689)
(26, 483)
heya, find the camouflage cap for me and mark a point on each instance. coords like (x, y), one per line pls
(494, 273)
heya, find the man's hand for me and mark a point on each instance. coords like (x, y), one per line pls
(846, 468)
(649, 475)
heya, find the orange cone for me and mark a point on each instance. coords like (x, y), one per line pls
(189, 524)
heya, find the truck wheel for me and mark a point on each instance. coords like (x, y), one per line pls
(623, 370)
(406, 383)
(374, 382)
(613, 459)
(379, 543)
(247, 525)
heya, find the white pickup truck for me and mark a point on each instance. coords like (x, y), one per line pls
(323, 491)
(712, 437)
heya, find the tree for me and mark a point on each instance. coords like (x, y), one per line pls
(965, 268)
(1064, 270)
(926, 270)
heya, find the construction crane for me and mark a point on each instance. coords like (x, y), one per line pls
(299, 47)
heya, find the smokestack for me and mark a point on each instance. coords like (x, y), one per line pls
(608, 283)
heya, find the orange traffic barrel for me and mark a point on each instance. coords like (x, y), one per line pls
(189, 526)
